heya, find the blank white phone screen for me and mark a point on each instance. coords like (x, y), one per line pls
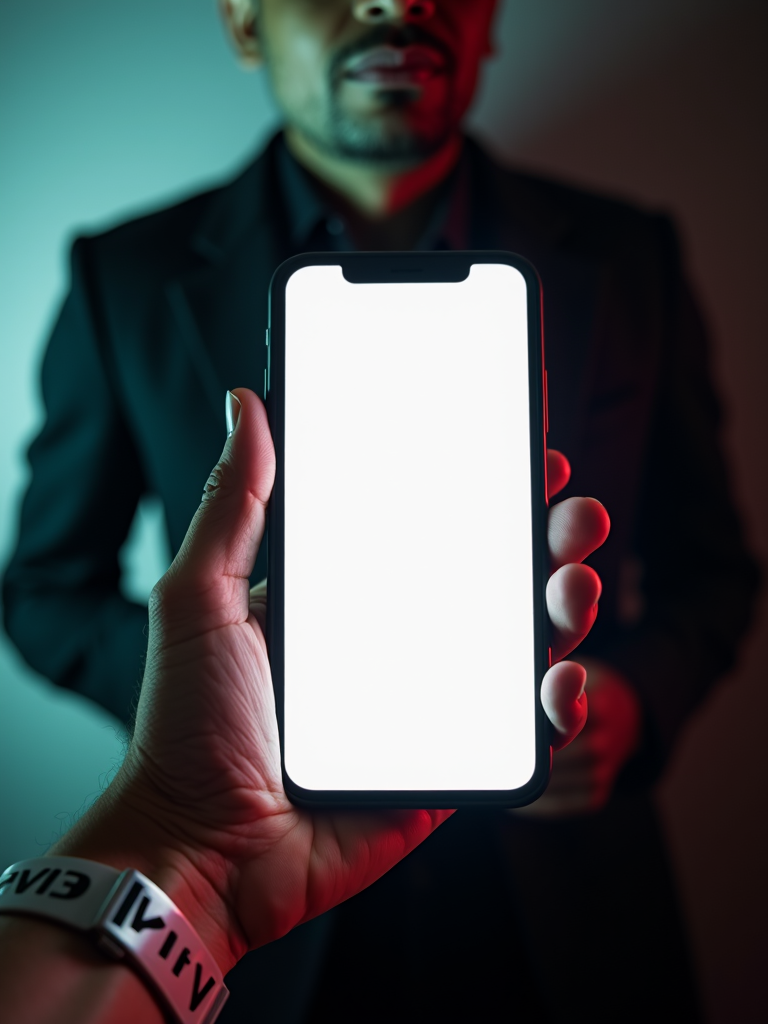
(408, 610)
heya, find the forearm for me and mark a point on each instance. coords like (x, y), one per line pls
(50, 974)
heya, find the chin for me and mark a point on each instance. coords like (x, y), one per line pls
(392, 137)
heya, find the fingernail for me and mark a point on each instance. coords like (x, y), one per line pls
(580, 694)
(232, 409)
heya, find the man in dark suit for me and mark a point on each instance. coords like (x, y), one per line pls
(168, 311)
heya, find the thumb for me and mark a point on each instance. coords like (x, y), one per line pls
(207, 586)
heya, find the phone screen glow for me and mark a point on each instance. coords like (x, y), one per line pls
(408, 615)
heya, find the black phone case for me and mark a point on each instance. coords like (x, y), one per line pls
(410, 266)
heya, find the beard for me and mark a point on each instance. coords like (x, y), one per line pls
(378, 140)
(352, 139)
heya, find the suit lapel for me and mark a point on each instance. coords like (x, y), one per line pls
(510, 212)
(570, 300)
(220, 307)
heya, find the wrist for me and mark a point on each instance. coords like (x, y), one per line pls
(129, 827)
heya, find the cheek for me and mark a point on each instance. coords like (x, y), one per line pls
(297, 54)
(299, 75)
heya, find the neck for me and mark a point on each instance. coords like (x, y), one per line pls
(374, 191)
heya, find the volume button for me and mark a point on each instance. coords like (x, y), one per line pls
(546, 404)
(266, 337)
(269, 368)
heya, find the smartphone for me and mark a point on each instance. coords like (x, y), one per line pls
(407, 561)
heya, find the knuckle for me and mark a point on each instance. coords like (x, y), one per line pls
(158, 595)
(161, 598)
(220, 479)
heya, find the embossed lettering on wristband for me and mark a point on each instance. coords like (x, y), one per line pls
(132, 919)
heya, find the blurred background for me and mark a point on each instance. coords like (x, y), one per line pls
(108, 109)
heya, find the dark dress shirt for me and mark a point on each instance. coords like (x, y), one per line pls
(314, 227)
(167, 311)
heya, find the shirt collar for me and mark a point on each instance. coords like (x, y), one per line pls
(311, 220)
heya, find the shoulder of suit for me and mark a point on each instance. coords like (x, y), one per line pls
(163, 241)
(580, 215)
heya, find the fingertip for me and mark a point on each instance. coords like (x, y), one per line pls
(572, 593)
(576, 528)
(246, 396)
(601, 519)
(558, 472)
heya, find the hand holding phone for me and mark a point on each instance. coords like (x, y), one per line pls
(198, 804)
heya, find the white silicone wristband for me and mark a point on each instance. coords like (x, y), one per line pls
(131, 919)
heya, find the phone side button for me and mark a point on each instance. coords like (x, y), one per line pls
(266, 337)
(265, 383)
(546, 404)
(269, 368)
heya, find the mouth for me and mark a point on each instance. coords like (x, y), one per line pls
(394, 67)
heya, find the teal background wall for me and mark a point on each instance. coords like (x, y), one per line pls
(110, 108)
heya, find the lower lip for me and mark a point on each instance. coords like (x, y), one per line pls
(393, 78)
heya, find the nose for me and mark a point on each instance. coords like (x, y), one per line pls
(374, 12)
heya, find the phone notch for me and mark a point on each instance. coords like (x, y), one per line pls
(405, 268)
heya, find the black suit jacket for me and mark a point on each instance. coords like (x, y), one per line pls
(168, 311)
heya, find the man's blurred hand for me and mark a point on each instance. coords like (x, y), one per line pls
(585, 772)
